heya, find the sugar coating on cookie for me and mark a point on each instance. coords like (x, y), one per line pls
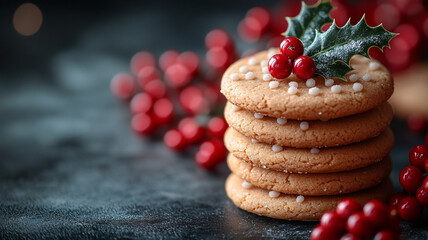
(250, 76)
(246, 184)
(336, 89)
(274, 84)
(234, 76)
(300, 199)
(357, 87)
(281, 121)
(267, 77)
(274, 194)
(292, 90)
(304, 125)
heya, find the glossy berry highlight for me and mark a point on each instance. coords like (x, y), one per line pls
(292, 47)
(280, 66)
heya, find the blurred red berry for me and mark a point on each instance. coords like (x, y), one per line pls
(163, 111)
(178, 75)
(167, 59)
(193, 100)
(416, 122)
(350, 236)
(394, 224)
(210, 154)
(304, 67)
(280, 66)
(141, 103)
(411, 178)
(395, 199)
(386, 14)
(140, 60)
(174, 140)
(422, 196)
(358, 224)
(340, 12)
(409, 208)
(219, 59)
(292, 47)
(217, 126)
(409, 35)
(332, 220)
(250, 29)
(385, 235)
(262, 15)
(322, 233)
(425, 183)
(191, 61)
(142, 123)
(376, 212)
(219, 38)
(348, 206)
(122, 86)
(155, 88)
(147, 74)
(191, 130)
(417, 156)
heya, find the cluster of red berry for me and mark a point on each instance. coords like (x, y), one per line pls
(409, 204)
(351, 221)
(281, 65)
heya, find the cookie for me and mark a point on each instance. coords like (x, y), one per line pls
(295, 207)
(243, 85)
(311, 184)
(314, 160)
(410, 97)
(307, 134)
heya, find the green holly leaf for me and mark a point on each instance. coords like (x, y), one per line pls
(311, 18)
(332, 50)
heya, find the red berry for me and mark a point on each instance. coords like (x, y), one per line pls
(280, 66)
(147, 74)
(155, 88)
(141, 103)
(210, 154)
(385, 235)
(193, 100)
(422, 196)
(219, 38)
(191, 130)
(322, 233)
(304, 67)
(174, 140)
(394, 224)
(416, 122)
(142, 123)
(426, 165)
(217, 126)
(417, 156)
(123, 86)
(332, 220)
(191, 61)
(141, 60)
(395, 199)
(348, 206)
(409, 208)
(262, 15)
(163, 111)
(292, 47)
(376, 212)
(357, 224)
(167, 59)
(178, 75)
(350, 236)
(425, 184)
(411, 178)
(219, 59)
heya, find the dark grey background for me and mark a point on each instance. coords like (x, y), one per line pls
(70, 167)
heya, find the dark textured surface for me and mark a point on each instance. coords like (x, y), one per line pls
(70, 167)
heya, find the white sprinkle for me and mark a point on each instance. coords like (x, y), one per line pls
(293, 84)
(281, 121)
(292, 90)
(252, 61)
(265, 70)
(329, 82)
(246, 184)
(304, 125)
(274, 194)
(300, 199)
(340, 191)
(285, 171)
(310, 82)
(258, 115)
(254, 140)
(336, 88)
(315, 150)
(274, 84)
(325, 189)
(243, 69)
(271, 52)
(367, 77)
(276, 148)
(374, 65)
(314, 91)
(358, 87)
(353, 77)
(267, 77)
(249, 75)
(320, 113)
(235, 108)
(263, 63)
(234, 76)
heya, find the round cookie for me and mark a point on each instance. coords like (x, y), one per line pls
(329, 133)
(258, 201)
(251, 92)
(311, 184)
(322, 160)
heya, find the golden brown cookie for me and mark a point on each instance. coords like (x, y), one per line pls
(317, 184)
(243, 85)
(316, 133)
(295, 207)
(315, 160)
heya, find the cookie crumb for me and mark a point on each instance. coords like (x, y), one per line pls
(243, 69)
(315, 150)
(336, 88)
(274, 194)
(235, 108)
(246, 185)
(373, 65)
(267, 77)
(353, 77)
(310, 82)
(258, 115)
(281, 121)
(274, 84)
(367, 77)
(300, 199)
(329, 82)
(304, 126)
(292, 90)
(252, 61)
(276, 148)
(314, 91)
(250, 76)
(234, 76)
(358, 87)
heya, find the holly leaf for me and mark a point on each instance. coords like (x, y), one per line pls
(332, 50)
(310, 18)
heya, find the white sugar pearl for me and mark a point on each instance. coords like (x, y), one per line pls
(250, 76)
(304, 126)
(358, 87)
(234, 76)
(292, 90)
(310, 82)
(265, 70)
(263, 63)
(243, 69)
(246, 184)
(276, 148)
(274, 84)
(274, 194)
(367, 77)
(314, 91)
(235, 108)
(329, 82)
(353, 77)
(254, 140)
(336, 89)
(293, 84)
(281, 121)
(315, 150)
(252, 61)
(271, 52)
(300, 199)
(267, 77)
(374, 65)
(258, 115)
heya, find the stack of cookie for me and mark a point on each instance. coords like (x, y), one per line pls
(298, 147)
